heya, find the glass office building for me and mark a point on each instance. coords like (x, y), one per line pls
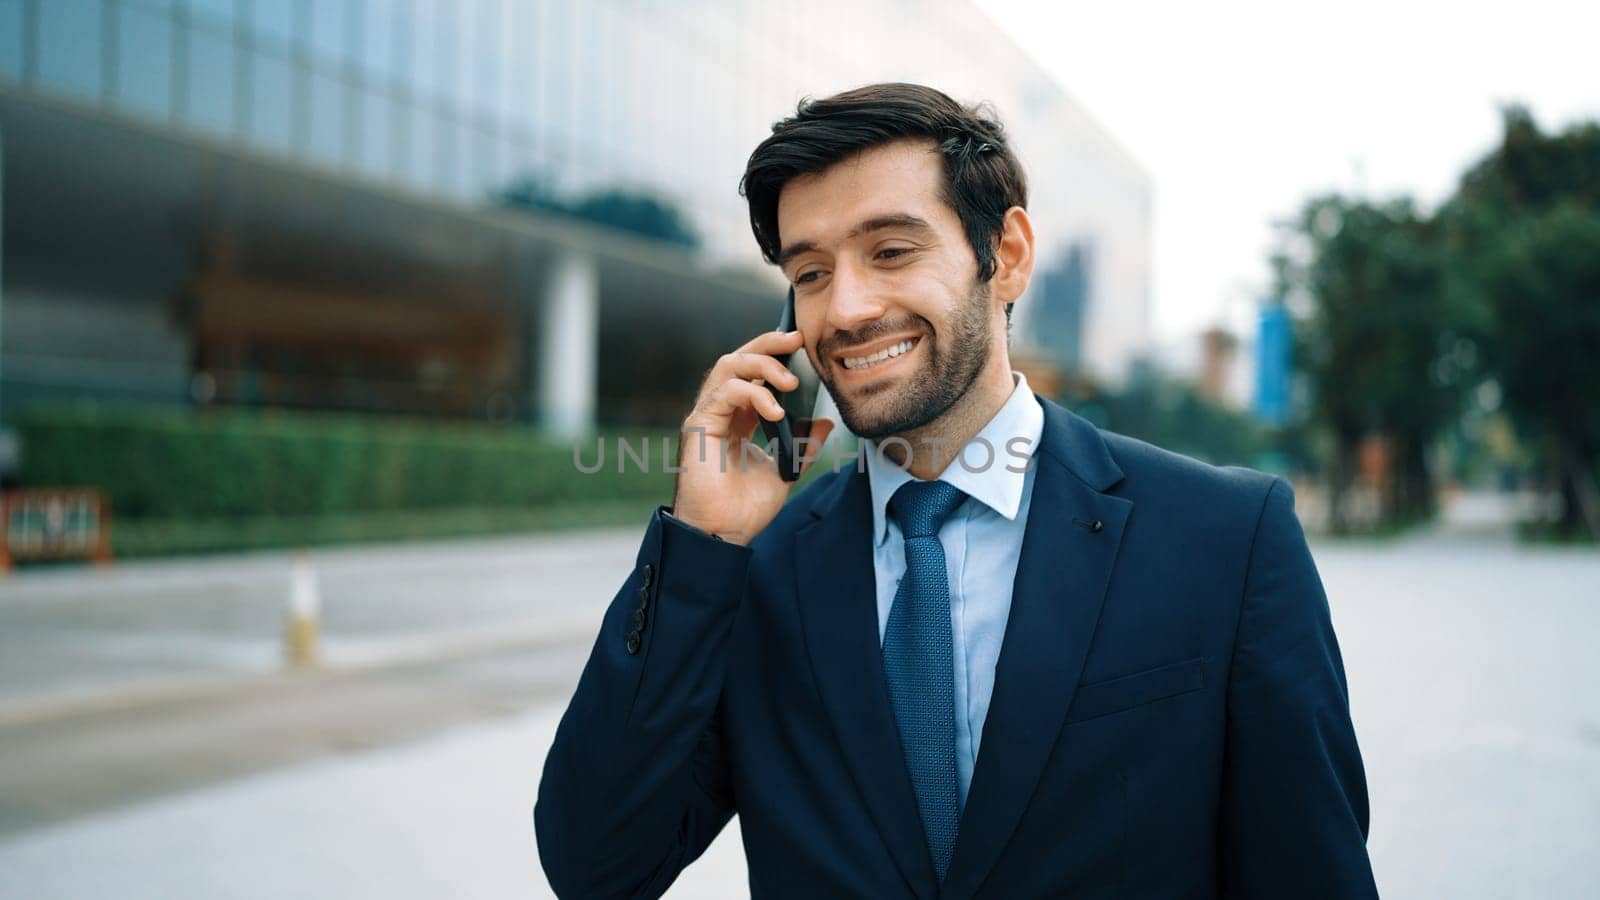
(301, 202)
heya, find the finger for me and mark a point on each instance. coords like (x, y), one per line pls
(773, 342)
(718, 410)
(749, 366)
(744, 424)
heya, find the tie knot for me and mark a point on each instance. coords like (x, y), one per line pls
(920, 507)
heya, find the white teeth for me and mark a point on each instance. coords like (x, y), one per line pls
(858, 362)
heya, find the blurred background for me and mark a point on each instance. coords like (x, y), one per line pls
(314, 314)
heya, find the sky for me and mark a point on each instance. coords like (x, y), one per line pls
(1241, 110)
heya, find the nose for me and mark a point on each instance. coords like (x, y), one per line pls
(853, 299)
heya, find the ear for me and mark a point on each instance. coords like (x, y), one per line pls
(1013, 258)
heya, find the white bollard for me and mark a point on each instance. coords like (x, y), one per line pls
(305, 613)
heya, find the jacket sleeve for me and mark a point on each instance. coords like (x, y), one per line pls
(1294, 795)
(636, 785)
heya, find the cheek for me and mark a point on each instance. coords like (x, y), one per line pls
(808, 319)
(934, 302)
(810, 325)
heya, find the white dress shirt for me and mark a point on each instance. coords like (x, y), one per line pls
(982, 542)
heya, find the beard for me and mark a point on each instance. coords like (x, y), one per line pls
(950, 366)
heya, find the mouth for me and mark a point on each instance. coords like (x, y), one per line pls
(876, 358)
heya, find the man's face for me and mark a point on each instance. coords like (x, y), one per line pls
(886, 290)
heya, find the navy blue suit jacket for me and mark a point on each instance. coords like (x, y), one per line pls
(1170, 716)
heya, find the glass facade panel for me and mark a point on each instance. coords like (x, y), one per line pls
(453, 143)
(144, 61)
(71, 49)
(326, 126)
(272, 100)
(481, 153)
(274, 21)
(435, 55)
(480, 54)
(11, 39)
(212, 82)
(519, 71)
(421, 169)
(377, 146)
(384, 24)
(330, 21)
(508, 162)
(214, 12)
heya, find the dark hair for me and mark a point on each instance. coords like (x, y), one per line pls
(982, 178)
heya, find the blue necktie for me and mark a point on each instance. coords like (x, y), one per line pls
(919, 665)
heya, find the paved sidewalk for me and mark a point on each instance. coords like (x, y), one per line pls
(75, 635)
(451, 816)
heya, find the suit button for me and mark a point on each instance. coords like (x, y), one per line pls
(633, 643)
(648, 571)
(644, 598)
(638, 621)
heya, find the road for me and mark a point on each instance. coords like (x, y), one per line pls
(408, 769)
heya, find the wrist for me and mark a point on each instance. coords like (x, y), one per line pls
(670, 513)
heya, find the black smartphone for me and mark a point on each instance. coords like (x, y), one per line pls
(798, 405)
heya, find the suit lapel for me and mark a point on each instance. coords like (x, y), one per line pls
(839, 613)
(1060, 585)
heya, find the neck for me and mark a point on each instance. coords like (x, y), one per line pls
(937, 444)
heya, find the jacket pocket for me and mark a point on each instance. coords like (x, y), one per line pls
(1102, 698)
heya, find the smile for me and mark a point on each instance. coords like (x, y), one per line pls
(866, 362)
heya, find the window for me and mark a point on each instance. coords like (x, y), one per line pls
(383, 24)
(327, 118)
(272, 100)
(479, 35)
(215, 13)
(422, 148)
(378, 142)
(330, 20)
(520, 75)
(11, 39)
(212, 81)
(274, 22)
(71, 54)
(454, 147)
(144, 61)
(435, 70)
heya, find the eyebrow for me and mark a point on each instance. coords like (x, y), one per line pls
(877, 223)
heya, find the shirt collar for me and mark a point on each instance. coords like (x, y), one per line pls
(994, 485)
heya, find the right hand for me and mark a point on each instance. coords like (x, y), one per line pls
(714, 492)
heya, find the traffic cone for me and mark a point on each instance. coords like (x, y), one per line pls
(305, 613)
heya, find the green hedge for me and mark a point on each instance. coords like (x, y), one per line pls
(176, 465)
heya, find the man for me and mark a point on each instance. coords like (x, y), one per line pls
(1072, 666)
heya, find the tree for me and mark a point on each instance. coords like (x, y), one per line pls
(1387, 348)
(1171, 413)
(629, 211)
(1524, 229)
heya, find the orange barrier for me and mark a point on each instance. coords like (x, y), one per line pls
(54, 523)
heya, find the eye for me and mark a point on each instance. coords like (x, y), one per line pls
(894, 252)
(808, 277)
